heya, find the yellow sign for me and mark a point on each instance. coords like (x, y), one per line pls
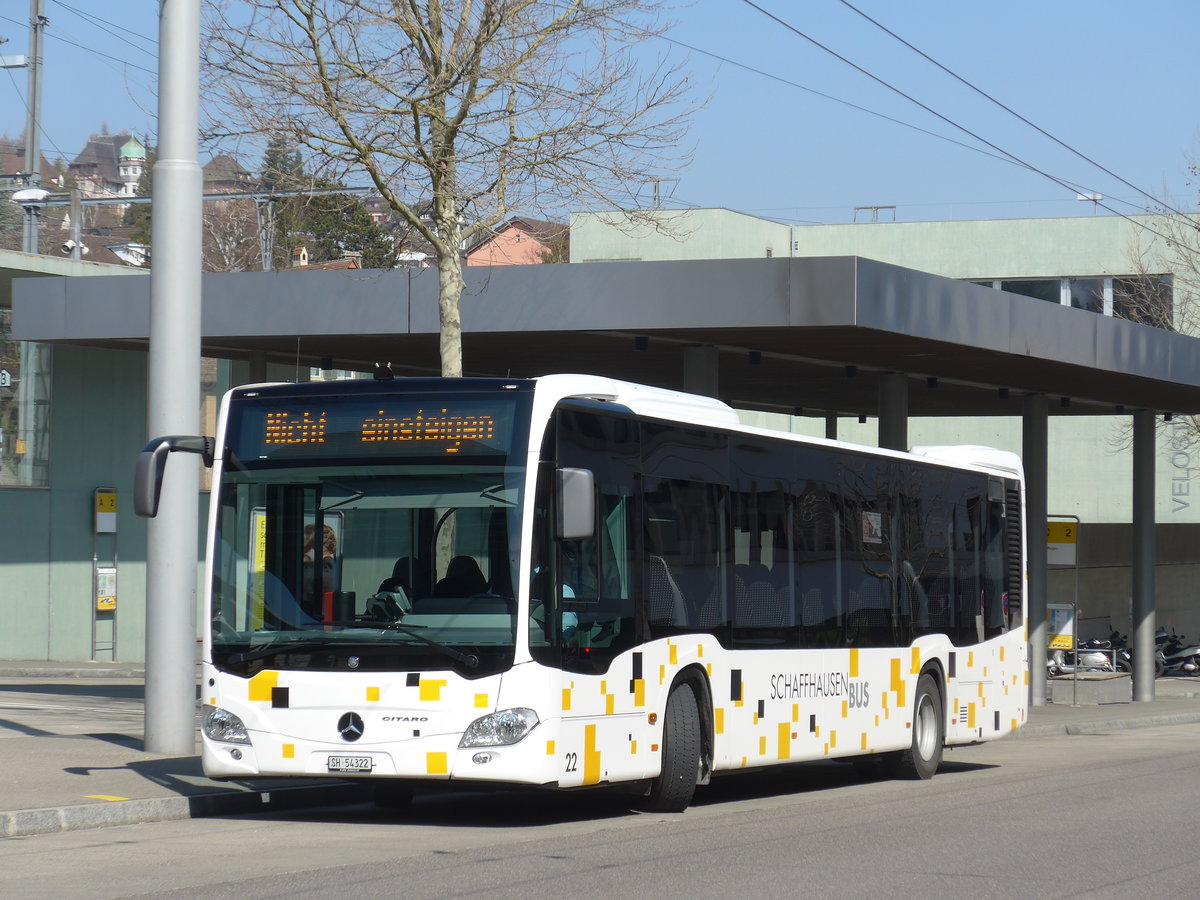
(106, 588)
(258, 571)
(1061, 532)
(105, 503)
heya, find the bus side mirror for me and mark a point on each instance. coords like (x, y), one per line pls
(152, 464)
(576, 504)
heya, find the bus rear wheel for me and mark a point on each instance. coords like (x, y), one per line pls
(673, 789)
(922, 759)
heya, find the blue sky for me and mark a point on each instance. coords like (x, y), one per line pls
(1113, 79)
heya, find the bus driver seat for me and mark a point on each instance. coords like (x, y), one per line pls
(463, 578)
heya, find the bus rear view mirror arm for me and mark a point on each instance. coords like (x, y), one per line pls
(152, 463)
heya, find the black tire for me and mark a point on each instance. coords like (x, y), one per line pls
(1124, 665)
(673, 789)
(1160, 667)
(392, 795)
(922, 759)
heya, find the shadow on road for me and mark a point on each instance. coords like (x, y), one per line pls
(101, 691)
(507, 808)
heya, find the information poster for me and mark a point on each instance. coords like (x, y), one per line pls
(106, 588)
(1060, 619)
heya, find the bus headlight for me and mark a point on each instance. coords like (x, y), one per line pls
(499, 729)
(222, 725)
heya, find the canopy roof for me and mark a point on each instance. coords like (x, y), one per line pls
(808, 333)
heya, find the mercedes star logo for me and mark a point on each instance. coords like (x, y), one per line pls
(350, 726)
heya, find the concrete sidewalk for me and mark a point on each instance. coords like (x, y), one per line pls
(72, 758)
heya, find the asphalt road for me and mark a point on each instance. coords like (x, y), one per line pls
(1110, 815)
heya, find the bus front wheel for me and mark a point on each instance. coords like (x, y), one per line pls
(922, 759)
(673, 789)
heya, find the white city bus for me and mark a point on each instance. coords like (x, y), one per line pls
(573, 581)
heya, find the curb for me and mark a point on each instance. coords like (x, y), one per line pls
(53, 820)
(1100, 727)
(34, 670)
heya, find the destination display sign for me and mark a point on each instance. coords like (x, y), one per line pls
(353, 427)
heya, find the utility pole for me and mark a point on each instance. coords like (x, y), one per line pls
(33, 148)
(173, 405)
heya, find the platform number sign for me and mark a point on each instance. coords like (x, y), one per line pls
(105, 505)
(1061, 541)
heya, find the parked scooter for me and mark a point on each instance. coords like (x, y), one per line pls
(1122, 655)
(1088, 656)
(1179, 656)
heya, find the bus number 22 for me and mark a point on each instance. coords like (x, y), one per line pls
(572, 762)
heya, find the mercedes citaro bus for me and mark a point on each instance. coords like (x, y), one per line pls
(572, 581)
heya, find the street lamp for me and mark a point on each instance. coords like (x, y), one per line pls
(31, 200)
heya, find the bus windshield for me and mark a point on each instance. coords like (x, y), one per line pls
(343, 543)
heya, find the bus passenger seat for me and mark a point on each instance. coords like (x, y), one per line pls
(664, 600)
(812, 610)
(760, 608)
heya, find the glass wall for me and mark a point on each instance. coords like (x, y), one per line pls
(1145, 298)
(1148, 299)
(1087, 293)
(24, 410)
(1048, 289)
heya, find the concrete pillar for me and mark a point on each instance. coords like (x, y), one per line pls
(831, 422)
(1144, 552)
(700, 369)
(1034, 456)
(893, 411)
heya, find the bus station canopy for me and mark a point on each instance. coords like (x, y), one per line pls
(804, 334)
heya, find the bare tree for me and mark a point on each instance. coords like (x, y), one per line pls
(458, 111)
(231, 236)
(1164, 292)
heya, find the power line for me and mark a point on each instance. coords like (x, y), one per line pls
(1007, 202)
(941, 137)
(1009, 110)
(40, 128)
(891, 87)
(115, 59)
(100, 23)
(824, 96)
(933, 134)
(64, 40)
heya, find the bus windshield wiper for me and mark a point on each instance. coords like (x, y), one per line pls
(274, 648)
(470, 660)
(493, 494)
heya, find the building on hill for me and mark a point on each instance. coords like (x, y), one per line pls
(225, 175)
(300, 261)
(377, 208)
(520, 241)
(110, 165)
(12, 164)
